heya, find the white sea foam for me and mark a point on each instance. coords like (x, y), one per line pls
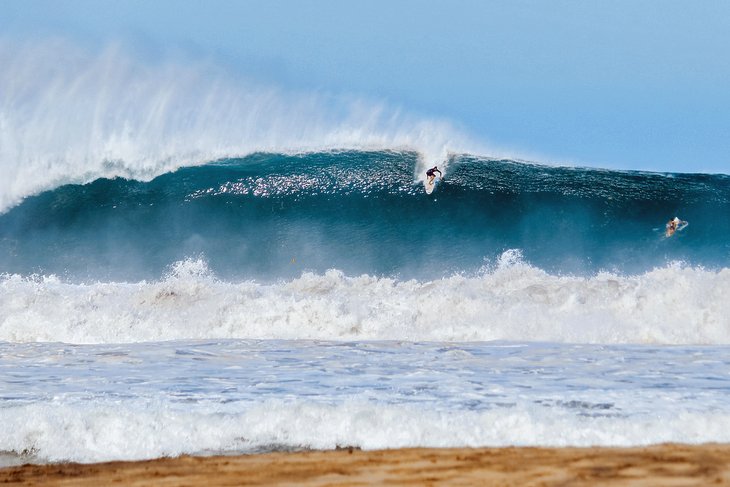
(103, 402)
(114, 430)
(675, 304)
(67, 115)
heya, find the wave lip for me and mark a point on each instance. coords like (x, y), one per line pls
(514, 301)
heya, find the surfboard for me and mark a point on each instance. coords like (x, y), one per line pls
(432, 185)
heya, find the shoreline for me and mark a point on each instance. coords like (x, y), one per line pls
(664, 464)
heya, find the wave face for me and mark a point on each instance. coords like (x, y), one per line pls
(271, 216)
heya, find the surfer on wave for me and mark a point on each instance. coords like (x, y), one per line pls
(431, 174)
(673, 225)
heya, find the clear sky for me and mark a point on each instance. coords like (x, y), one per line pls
(635, 84)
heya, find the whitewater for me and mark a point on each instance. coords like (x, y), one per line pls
(673, 305)
(191, 262)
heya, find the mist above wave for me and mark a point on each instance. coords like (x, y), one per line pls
(68, 115)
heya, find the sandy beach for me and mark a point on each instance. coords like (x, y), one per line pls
(670, 464)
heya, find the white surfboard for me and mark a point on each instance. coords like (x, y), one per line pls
(430, 186)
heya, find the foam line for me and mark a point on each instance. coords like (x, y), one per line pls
(113, 430)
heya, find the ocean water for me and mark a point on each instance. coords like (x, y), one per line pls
(323, 299)
(193, 263)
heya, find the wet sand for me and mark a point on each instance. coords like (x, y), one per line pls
(660, 465)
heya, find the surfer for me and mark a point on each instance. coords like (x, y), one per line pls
(431, 174)
(673, 225)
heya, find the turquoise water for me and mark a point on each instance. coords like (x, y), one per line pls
(269, 216)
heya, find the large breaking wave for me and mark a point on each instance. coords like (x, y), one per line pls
(69, 115)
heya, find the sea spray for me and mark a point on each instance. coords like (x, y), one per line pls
(70, 116)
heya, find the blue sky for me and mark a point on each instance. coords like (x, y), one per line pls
(620, 84)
